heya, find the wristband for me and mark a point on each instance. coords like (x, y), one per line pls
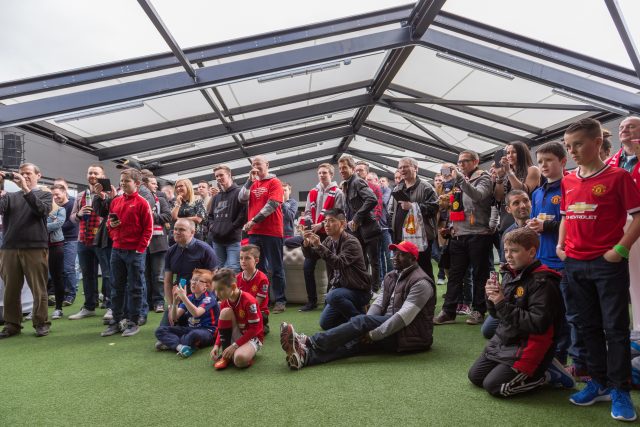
(622, 251)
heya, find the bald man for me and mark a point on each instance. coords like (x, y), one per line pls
(629, 134)
(264, 194)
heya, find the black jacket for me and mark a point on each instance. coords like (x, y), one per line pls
(344, 260)
(24, 219)
(425, 196)
(227, 216)
(359, 203)
(159, 242)
(530, 317)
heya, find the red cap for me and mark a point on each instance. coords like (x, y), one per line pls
(407, 247)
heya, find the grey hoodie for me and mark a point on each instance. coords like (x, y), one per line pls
(477, 198)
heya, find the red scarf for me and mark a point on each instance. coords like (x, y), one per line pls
(328, 204)
(615, 161)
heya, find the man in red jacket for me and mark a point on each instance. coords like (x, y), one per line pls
(130, 226)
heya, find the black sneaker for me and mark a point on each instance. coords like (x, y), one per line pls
(142, 320)
(112, 329)
(42, 330)
(68, 301)
(8, 332)
(308, 307)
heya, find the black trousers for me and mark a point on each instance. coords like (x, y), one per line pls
(471, 250)
(56, 270)
(501, 380)
(371, 251)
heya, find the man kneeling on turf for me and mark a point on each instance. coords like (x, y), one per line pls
(240, 331)
(400, 319)
(202, 312)
(529, 308)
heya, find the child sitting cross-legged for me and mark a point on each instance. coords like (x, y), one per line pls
(529, 307)
(202, 311)
(240, 332)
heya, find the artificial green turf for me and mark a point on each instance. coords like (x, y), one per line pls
(76, 377)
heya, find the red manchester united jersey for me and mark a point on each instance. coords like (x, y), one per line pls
(595, 210)
(258, 286)
(248, 318)
(261, 192)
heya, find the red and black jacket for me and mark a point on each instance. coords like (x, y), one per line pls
(530, 317)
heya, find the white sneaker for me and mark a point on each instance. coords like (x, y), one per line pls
(57, 314)
(82, 314)
(108, 315)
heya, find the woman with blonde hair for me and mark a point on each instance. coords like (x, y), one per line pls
(188, 206)
(55, 220)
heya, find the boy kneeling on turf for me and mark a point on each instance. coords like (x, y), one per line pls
(202, 310)
(529, 307)
(240, 332)
(254, 281)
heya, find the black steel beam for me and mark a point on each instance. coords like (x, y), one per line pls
(378, 158)
(308, 134)
(531, 70)
(455, 121)
(208, 52)
(499, 104)
(235, 127)
(406, 143)
(236, 154)
(625, 34)
(26, 112)
(422, 15)
(466, 109)
(335, 90)
(537, 49)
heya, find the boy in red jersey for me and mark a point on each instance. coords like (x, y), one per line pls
(595, 249)
(240, 333)
(254, 281)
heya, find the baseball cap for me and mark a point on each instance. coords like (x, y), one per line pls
(129, 163)
(405, 246)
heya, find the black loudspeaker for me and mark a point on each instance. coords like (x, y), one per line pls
(12, 150)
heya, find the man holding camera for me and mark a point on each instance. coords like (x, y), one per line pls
(25, 249)
(471, 236)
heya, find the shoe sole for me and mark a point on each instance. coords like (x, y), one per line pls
(446, 322)
(473, 322)
(80, 318)
(621, 418)
(605, 398)
(130, 334)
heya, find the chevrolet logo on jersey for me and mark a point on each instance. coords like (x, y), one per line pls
(582, 207)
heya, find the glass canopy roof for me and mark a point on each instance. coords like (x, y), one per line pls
(182, 86)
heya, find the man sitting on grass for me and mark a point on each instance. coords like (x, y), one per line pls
(202, 311)
(529, 308)
(400, 319)
(240, 333)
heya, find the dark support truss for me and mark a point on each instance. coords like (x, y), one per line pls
(537, 49)
(245, 125)
(227, 156)
(411, 144)
(210, 52)
(378, 158)
(421, 17)
(625, 33)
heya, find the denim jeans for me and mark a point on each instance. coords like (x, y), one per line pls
(341, 304)
(271, 261)
(154, 278)
(598, 293)
(385, 254)
(345, 340)
(228, 255)
(89, 258)
(69, 273)
(568, 336)
(309, 269)
(128, 278)
(489, 327)
(172, 336)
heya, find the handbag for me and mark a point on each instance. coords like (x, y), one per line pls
(413, 229)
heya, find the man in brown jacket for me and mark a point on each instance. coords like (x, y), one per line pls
(400, 319)
(349, 283)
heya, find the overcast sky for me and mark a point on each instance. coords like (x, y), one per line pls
(43, 36)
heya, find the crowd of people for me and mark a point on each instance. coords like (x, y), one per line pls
(210, 258)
